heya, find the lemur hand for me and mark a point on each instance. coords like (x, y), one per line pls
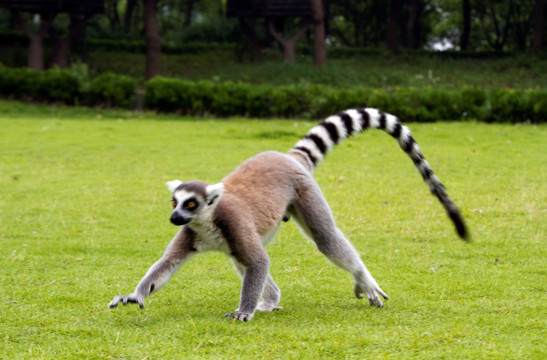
(132, 298)
(371, 293)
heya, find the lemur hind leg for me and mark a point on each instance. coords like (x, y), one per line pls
(271, 295)
(313, 215)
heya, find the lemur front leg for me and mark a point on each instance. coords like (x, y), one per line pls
(270, 295)
(159, 274)
(256, 262)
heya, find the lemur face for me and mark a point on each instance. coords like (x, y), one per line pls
(186, 206)
(190, 199)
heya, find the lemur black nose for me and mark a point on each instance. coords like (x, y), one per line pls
(178, 219)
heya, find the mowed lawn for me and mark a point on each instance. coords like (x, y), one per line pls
(84, 212)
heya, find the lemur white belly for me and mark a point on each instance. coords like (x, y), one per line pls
(209, 238)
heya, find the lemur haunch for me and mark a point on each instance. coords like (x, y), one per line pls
(241, 214)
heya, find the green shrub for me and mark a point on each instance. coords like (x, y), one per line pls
(112, 90)
(198, 96)
(18, 83)
(163, 94)
(302, 100)
(56, 85)
(471, 103)
(312, 101)
(259, 101)
(325, 101)
(509, 105)
(207, 97)
(439, 104)
(52, 85)
(230, 99)
(289, 100)
(538, 103)
(66, 86)
(383, 100)
(409, 104)
(81, 72)
(183, 97)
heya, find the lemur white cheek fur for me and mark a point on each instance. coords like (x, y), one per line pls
(242, 213)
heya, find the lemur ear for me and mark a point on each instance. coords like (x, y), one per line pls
(214, 192)
(172, 185)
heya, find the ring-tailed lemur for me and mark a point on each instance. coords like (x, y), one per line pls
(241, 214)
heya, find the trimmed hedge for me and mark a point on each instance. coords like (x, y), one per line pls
(301, 100)
(316, 101)
(51, 86)
(65, 86)
(514, 105)
(110, 90)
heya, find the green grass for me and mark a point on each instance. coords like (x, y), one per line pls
(84, 213)
(375, 71)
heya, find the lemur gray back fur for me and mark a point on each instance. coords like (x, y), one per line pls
(321, 139)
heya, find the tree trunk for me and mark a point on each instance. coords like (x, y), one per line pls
(287, 45)
(62, 45)
(60, 52)
(413, 25)
(393, 20)
(539, 10)
(252, 44)
(220, 8)
(12, 23)
(466, 30)
(153, 39)
(188, 13)
(319, 47)
(35, 59)
(111, 10)
(128, 16)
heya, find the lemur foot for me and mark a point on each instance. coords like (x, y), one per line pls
(262, 306)
(239, 316)
(136, 299)
(372, 294)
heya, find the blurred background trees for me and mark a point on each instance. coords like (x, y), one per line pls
(251, 26)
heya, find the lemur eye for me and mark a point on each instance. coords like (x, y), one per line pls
(174, 203)
(190, 204)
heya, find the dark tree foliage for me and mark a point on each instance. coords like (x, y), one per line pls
(357, 23)
(469, 25)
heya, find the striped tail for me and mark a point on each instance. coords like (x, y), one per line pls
(321, 139)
